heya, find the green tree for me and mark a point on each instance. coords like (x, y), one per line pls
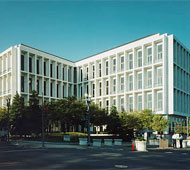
(17, 116)
(159, 123)
(98, 116)
(3, 118)
(114, 123)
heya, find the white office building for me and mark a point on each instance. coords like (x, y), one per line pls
(149, 73)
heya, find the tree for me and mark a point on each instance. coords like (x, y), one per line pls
(98, 116)
(114, 124)
(17, 116)
(3, 118)
(159, 123)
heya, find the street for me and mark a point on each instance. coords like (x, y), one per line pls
(17, 157)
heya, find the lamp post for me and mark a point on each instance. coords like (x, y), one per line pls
(88, 100)
(8, 123)
(43, 121)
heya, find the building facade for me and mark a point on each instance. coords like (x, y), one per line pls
(149, 73)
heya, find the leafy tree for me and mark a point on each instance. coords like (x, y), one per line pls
(98, 116)
(159, 123)
(3, 118)
(17, 116)
(114, 124)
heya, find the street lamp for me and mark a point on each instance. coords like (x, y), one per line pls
(88, 100)
(8, 124)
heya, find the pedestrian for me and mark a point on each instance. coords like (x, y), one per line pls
(180, 140)
(174, 140)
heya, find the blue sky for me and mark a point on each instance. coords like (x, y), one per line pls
(77, 29)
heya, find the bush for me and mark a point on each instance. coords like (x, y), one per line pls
(140, 139)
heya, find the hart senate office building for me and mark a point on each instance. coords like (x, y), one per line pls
(152, 72)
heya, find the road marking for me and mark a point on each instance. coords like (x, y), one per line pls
(168, 152)
(25, 150)
(121, 166)
(184, 153)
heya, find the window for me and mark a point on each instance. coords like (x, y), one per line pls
(100, 67)
(122, 84)
(122, 104)
(106, 67)
(63, 73)
(38, 65)
(139, 102)
(51, 89)
(114, 86)
(81, 74)
(93, 90)
(130, 103)
(130, 82)
(70, 90)
(44, 68)
(107, 87)
(63, 91)
(38, 87)
(57, 90)
(149, 101)
(149, 55)
(22, 62)
(30, 85)
(122, 63)
(81, 92)
(100, 103)
(149, 78)
(22, 83)
(139, 57)
(100, 88)
(130, 61)
(30, 64)
(93, 71)
(114, 65)
(139, 79)
(114, 102)
(44, 88)
(57, 72)
(159, 51)
(86, 73)
(159, 76)
(159, 101)
(107, 105)
(51, 70)
(69, 74)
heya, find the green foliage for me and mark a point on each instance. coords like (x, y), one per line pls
(179, 128)
(159, 123)
(145, 117)
(114, 124)
(98, 116)
(140, 139)
(3, 117)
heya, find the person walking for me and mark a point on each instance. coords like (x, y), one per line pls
(181, 140)
(174, 137)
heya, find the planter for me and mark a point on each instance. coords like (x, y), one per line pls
(66, 138)
(118, 142)
(188, 143)
(184, 143)
(108, 142)
(140, 145)
(97, 142)
(154, 142)
(82, 141)
(163, 143)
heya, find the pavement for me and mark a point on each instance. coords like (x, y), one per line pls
(31, 155)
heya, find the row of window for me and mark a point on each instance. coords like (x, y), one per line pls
(138, 105)
(46, 87)
(49, 70)
(130, 62)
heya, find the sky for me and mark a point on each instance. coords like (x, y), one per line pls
(81, 28)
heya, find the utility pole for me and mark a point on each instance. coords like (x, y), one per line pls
(43, 121)
(8, 123)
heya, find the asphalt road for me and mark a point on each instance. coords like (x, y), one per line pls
(17, 157)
